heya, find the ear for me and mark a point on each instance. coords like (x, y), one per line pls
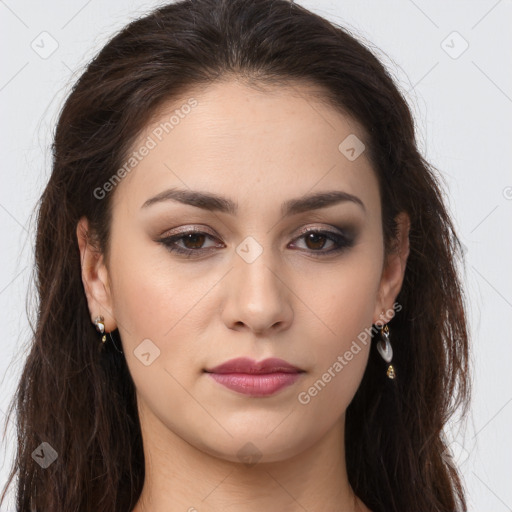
(393, 271)
(95, 276)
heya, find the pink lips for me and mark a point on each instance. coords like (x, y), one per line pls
(253, 378)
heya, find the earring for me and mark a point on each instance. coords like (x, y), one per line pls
(385, 350)
(99, 322)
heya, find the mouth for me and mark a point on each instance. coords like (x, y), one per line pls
(264, 384)
(251, 378)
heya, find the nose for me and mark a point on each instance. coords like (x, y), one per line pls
(257, 297)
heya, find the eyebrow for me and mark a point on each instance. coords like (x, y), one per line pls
(213, 202)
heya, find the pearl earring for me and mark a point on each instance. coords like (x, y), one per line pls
(99, 322)
(385, 350)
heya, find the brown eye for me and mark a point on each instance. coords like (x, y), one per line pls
(193, 240)
(188, 244)
(315, 241)
(192, 243)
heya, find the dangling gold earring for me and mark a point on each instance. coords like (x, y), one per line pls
(385, 350)
(99, 322)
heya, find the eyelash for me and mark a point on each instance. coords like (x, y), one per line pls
(342, 242)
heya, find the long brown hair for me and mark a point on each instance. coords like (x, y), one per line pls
(82, 402)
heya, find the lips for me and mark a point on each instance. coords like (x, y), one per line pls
(246, 365)
(256, 379)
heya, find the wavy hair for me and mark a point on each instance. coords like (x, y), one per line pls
(83, 402)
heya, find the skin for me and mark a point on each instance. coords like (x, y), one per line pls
(258, 149)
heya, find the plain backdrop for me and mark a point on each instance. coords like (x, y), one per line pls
(452, 61)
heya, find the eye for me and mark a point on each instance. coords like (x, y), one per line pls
(315, 240)
(191, 243)
(192, 240)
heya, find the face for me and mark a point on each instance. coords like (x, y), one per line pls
(259, 274)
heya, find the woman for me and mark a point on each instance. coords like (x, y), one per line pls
(247, 280)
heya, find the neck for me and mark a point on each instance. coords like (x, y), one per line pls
(181, 477)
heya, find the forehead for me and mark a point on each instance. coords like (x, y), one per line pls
(280, 140)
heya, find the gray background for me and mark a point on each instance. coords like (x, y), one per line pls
(462, 102)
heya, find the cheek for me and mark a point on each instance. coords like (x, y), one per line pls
(341, 304)
(323, 399)
(156, 311)
(140, 297)
(151, 293)
(164, 309)
(340, 357)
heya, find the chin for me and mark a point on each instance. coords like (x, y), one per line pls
(258, 449)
